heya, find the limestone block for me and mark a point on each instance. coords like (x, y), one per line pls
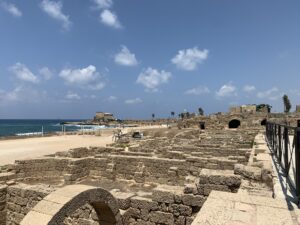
(162, 196)
(192, 200)
(161, 218)
(180, 210)
(189, 188)
(143, 203)
(123, 199)
(249, 172)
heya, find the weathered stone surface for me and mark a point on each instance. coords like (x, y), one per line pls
(161, 217)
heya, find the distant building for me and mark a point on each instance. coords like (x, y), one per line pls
(104, 117)
(262, 108)
(242, 109)
(297, 108)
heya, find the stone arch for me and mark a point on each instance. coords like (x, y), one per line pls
(56, 206)
(235, 123)
(263, 122)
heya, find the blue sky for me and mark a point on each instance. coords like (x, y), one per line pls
(71, 58)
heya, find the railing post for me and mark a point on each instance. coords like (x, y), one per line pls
(279, 143)
(275, 139)
(286, 150)
(297, 163)
(273, 136)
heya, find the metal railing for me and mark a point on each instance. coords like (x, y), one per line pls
(284, 142)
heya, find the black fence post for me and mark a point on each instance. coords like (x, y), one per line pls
(286, 150)
(275, 139)
(297, 163)
(279, 144)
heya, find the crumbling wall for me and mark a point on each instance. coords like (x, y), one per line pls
(3, 191)
(22, 198)
(40, 168)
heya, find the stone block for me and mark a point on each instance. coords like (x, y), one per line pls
(192, 200)
(161, 218)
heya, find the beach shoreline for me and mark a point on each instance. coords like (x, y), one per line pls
(20, 148)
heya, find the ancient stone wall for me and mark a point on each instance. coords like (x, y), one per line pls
(40, 168)
(3, 191)
(21, 199)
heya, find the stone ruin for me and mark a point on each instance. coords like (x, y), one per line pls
(164, 178)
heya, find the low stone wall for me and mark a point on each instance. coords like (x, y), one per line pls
(41, 168)
(21, 199)
(3, 191)
(217, 180)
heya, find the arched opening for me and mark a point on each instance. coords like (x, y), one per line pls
(70, 198)
(234, 123)
(202, 125)
(263, 122)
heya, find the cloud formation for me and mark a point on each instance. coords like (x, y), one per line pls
(72, 96)
(103, 4)
(125, 57)
(22, 73)
(133, 101)
(270, 94)
(197, 91)
(189, 59)
(227, 90)
(249, 88)
(152, 78)
(22, 94)
(111, 98)
(46, 73)
(11, 8)
(87, 78)
(54, 10)
(110, 19)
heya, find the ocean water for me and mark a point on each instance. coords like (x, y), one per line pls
(33, 127)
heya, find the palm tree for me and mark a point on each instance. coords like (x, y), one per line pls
(172, 114)
(201, 112)
(287, 103)
(153, 116)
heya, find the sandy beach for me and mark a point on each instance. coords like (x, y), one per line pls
(16, 149)
(11, 150)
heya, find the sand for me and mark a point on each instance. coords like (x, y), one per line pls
(11, 150)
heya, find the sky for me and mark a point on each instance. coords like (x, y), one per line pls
(68, 59)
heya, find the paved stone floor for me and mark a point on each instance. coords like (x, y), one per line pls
(243, 209)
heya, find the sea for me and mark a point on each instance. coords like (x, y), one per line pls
(29, 127)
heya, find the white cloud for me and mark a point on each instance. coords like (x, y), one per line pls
(227, 90)
(152, 78)
(103, 4)
(197, 91)
(11, 8)
(112, 98)
(85, 78)
(110, 19)
(271, 94)
(97, 86)
(54, 10)
(189, 59)
(72, 96)
(249, 88)
(23, 73)
(46, 73)
(125, 57)
(133, 101)
(22, 94)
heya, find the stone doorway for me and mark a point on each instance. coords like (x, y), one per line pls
(234, 123)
